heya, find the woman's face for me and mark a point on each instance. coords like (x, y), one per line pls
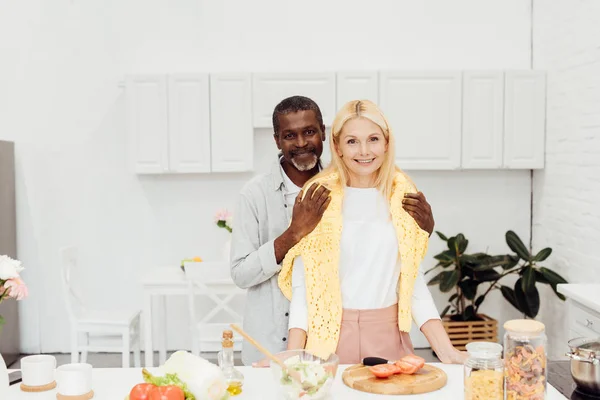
(362, 148)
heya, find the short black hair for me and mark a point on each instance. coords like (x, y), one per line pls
(295, 104)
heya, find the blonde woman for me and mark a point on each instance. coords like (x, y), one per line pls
(354, 282)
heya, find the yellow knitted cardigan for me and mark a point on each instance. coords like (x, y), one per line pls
(320, 254)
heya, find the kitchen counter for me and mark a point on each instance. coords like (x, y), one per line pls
(259, 384)
(585, 293)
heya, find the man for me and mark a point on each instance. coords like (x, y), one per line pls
(271, 218)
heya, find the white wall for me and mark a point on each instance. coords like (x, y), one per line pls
(60, 103)
(566, 215)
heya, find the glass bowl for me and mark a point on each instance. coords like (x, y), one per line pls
(317, 375)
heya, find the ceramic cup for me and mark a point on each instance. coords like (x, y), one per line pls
(74, 379)
(38, 370)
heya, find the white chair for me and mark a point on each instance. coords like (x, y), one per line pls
(98, 324)
(212, 280)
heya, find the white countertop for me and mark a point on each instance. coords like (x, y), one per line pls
(115, 384)
(585, 293)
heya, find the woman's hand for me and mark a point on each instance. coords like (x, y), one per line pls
(453, 356)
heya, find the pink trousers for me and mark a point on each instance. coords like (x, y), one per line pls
(372, 333)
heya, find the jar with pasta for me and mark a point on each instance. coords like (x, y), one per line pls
(525, 360)
(484, 372)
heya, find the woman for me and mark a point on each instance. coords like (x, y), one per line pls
(354, 281)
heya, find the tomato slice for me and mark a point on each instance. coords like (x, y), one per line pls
(414, 360)
(170, 392)
(141, 391)
(384, 370)
(406, 368)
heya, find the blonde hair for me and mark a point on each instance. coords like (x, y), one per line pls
(368, 110)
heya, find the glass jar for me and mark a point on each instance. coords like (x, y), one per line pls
(525, 360)
(484, 372)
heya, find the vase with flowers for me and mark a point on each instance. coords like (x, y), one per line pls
(224, 219)
(11, 287)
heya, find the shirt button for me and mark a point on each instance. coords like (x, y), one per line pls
(285, 205)
(284, 339)
(287, 314)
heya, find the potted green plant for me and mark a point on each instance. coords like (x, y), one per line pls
(471, 277)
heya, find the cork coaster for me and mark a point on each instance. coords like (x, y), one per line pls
(35, 389)
(86, 396)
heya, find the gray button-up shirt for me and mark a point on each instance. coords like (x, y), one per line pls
(260, 218)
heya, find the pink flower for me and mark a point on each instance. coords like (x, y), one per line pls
(223, 215)
(16, 288)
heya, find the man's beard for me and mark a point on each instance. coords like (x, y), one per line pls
(306, 165)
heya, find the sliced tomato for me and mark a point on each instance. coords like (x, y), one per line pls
(414, 360)
(406, 368)
(170, 392)
(141, 391)
(384, 370)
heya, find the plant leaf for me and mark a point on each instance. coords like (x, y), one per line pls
(444, 256)
(479, 300)
(442, 236)
(469, 313)
(461, 243)
(469, 288)
(487, 276)
(443, 314)
(453, 297)
(452, 246)
(449, 280)
(543, 254)
(553, 279)
(510, 296)
(517, 245)
(529, 302)
(528, 280)
(436, 279)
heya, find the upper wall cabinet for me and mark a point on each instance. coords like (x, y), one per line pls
(189, 123)
(232, 136)
(357, 86)
(424, 110)
(270, 88)
(524, 119)
(483, 118)
(147, 123)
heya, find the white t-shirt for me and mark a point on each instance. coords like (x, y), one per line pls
(369, 266)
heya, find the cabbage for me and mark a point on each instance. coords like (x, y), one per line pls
(198, 378)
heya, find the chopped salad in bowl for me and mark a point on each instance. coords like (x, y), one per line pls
(316, 375)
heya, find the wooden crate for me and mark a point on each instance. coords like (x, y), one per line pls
(461, 333)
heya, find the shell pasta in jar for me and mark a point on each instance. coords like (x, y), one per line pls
(525, 360)
(484, 372)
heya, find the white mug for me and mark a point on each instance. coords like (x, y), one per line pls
(74, 379)
(38, 370)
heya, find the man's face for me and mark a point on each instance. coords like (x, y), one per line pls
(300, 139)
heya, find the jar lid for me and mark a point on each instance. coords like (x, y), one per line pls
(527, 326)
(484, 349)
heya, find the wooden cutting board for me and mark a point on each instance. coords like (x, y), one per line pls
(427, 379)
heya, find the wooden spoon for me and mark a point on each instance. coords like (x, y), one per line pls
(292, 373)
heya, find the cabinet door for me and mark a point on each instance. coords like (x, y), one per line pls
(146, 98)
(270, 88)
(232, 136)
(356, 86)
(524, 119)
(482, 127)
(424, 111)
(189, 123)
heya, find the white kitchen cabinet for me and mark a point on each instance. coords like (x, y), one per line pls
(524, 119)
(483, 117)
(424, 111)
(189, 123)
(583, 310)
(268, 89)
(356, 85)
(232, 136)
(147, 126)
